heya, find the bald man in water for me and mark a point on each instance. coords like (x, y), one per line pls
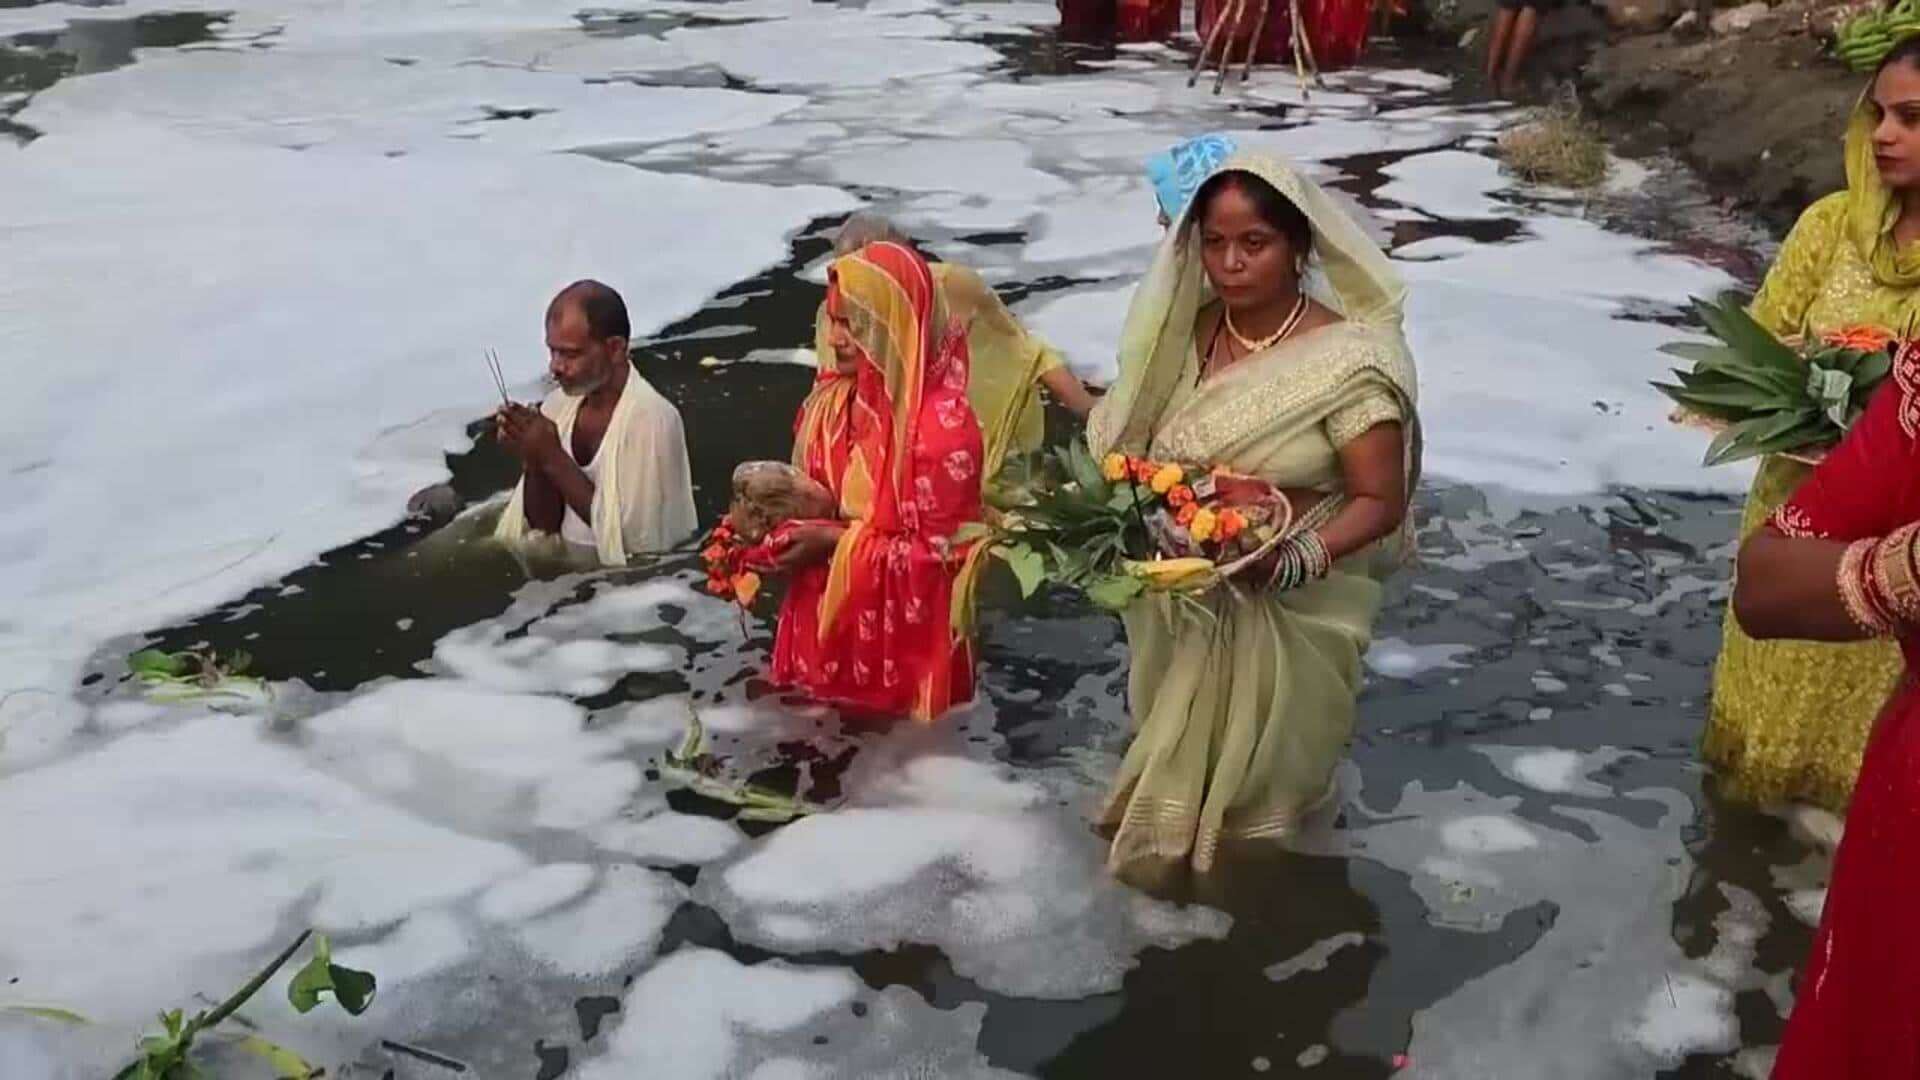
(604, 458)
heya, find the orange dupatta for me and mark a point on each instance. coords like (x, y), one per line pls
(900, 448)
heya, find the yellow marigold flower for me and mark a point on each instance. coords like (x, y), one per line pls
(1202, 525)
(1114, 467)
(1165, 480)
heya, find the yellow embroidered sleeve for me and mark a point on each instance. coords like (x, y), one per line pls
(1349, 422)
(1794, 279)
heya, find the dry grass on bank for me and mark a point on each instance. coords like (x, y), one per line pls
(1557, 145)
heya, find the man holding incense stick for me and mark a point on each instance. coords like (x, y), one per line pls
(603, 459)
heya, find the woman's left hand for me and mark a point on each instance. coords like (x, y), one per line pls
(805, 545)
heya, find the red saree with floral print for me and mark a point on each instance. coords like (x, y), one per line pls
(899, 446)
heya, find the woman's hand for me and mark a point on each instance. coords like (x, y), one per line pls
(805, 545)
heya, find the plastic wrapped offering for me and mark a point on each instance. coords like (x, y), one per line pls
(768, 493)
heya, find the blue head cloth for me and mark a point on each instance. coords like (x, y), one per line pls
(1179, 172)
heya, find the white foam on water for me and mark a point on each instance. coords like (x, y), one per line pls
(234, 261)
(1450, 184)
(1487, 835)
(1316, 957)
(687, 1016)
(538, 890)
(1530, 379)
(1577, 995)
(618, 925)
(840, 50)
(1556, 772)
(1085, 325)
(997, 168)
(300, 100)
(1807, 905)
(1398, 659)
(236, 833)
(670, 838)
(950, 852)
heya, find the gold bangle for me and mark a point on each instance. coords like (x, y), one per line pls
(1892, 575)
(1853, 582)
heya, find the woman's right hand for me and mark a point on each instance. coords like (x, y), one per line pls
(801, 546)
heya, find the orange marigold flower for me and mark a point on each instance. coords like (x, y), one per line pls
(745, 587)
(1185, 516)
(1179, 495)
(1865, 339)
(1142, 469)
(1231, 523)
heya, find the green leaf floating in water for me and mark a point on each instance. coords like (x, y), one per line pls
(149, 663)
(286, 1064)
(352, 988)
(46, 1012)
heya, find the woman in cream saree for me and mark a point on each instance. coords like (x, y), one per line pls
(1242, 710)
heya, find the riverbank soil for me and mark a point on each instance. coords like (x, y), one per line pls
(1759, 112)
(1747, 95)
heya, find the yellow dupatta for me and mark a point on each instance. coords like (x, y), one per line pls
(1873, 208)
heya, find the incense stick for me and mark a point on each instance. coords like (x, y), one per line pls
(499, 380)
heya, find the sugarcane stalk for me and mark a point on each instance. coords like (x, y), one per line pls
(1226, 50)
(1200, 61)
(1253, 44)
(1306, 45)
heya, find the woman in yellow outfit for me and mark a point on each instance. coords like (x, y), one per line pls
(1010, 364)
(1790, 719)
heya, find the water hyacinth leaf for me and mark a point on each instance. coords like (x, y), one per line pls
(151, 662)
(286, 1064)
(1085, 471)
(352, 988)
(1114, 593)
(46, 1012)
(1028, 566)
(971, 532)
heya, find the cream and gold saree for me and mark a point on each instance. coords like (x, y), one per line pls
(1242, 711)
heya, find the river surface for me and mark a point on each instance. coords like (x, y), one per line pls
(253, 252)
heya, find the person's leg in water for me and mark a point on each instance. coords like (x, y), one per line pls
(1499, 32)
(1525, 25)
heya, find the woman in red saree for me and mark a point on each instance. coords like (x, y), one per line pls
(868, 620)
(1840, 561)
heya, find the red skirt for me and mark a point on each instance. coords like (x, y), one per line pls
(1119, 20)
(1857, 1009)
(1337, 29)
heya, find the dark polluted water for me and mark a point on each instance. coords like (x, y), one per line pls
(1585, 626)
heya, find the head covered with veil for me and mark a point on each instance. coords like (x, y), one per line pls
(1345, 271)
